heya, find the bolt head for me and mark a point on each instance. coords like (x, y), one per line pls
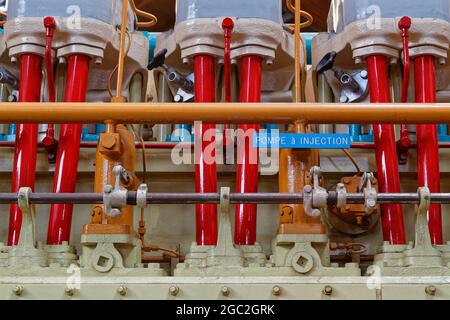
(276, 291)
(70, 291)
(174, 290)
(328, 290)
(225, 291)
(122, 290)
(18, 290)
(431, 290)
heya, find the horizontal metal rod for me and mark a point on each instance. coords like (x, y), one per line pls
(224, 113)
(194, 198)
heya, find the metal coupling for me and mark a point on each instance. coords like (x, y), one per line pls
(141, 196)
(115, 198)
(315, 197)
(341, 192)
(370, 194)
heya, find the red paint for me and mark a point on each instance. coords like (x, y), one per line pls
(386, 156)
(24, 167)
(247, 166)
(205, 164)
(427, 142)
(68, 152)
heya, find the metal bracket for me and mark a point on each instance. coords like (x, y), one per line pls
(370, 194)
(315, 197)
(115, 198)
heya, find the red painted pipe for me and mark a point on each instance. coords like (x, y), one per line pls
(205, 152)
(387, 162)
(68, 151)
(427, 142)
(227, 26)
(247, 158)
(24, 167)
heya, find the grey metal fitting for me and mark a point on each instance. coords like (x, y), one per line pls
(341, 195)
(115, 198)
(141, 196)
(370, 194)
(316, 197)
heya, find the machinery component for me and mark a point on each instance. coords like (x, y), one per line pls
(24, 167)
(182, 87)
(386, 155)
(427, 141)
(115, 198)
(355, 219)
(354, 86)
(9, 79)
(316, 197)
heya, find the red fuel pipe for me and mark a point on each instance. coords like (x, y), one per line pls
(227, 26)
(205, 153)
(386, 155)
(24, 167)
(68, 151)
(427, 142)
(247, 159)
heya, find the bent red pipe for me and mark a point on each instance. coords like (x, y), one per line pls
(247, 165)
(386, 155)
(427, 142)
(205, 152)
(24, 167)
(65, 178)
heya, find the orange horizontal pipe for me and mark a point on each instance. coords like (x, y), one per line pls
(224, 113)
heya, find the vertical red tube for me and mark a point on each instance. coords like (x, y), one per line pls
(26, 139)
(68, 151)
(387, 162)
(247, 166)
(427, 142)
(205, 164)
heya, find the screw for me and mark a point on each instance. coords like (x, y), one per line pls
(18, 290)
(328, 290)
(122, 290)
(442, 61)
(70, 291)
(358, 61)
(225, 291)
(98, 60)
(276, 291)
(430, 290)
(174, 290)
